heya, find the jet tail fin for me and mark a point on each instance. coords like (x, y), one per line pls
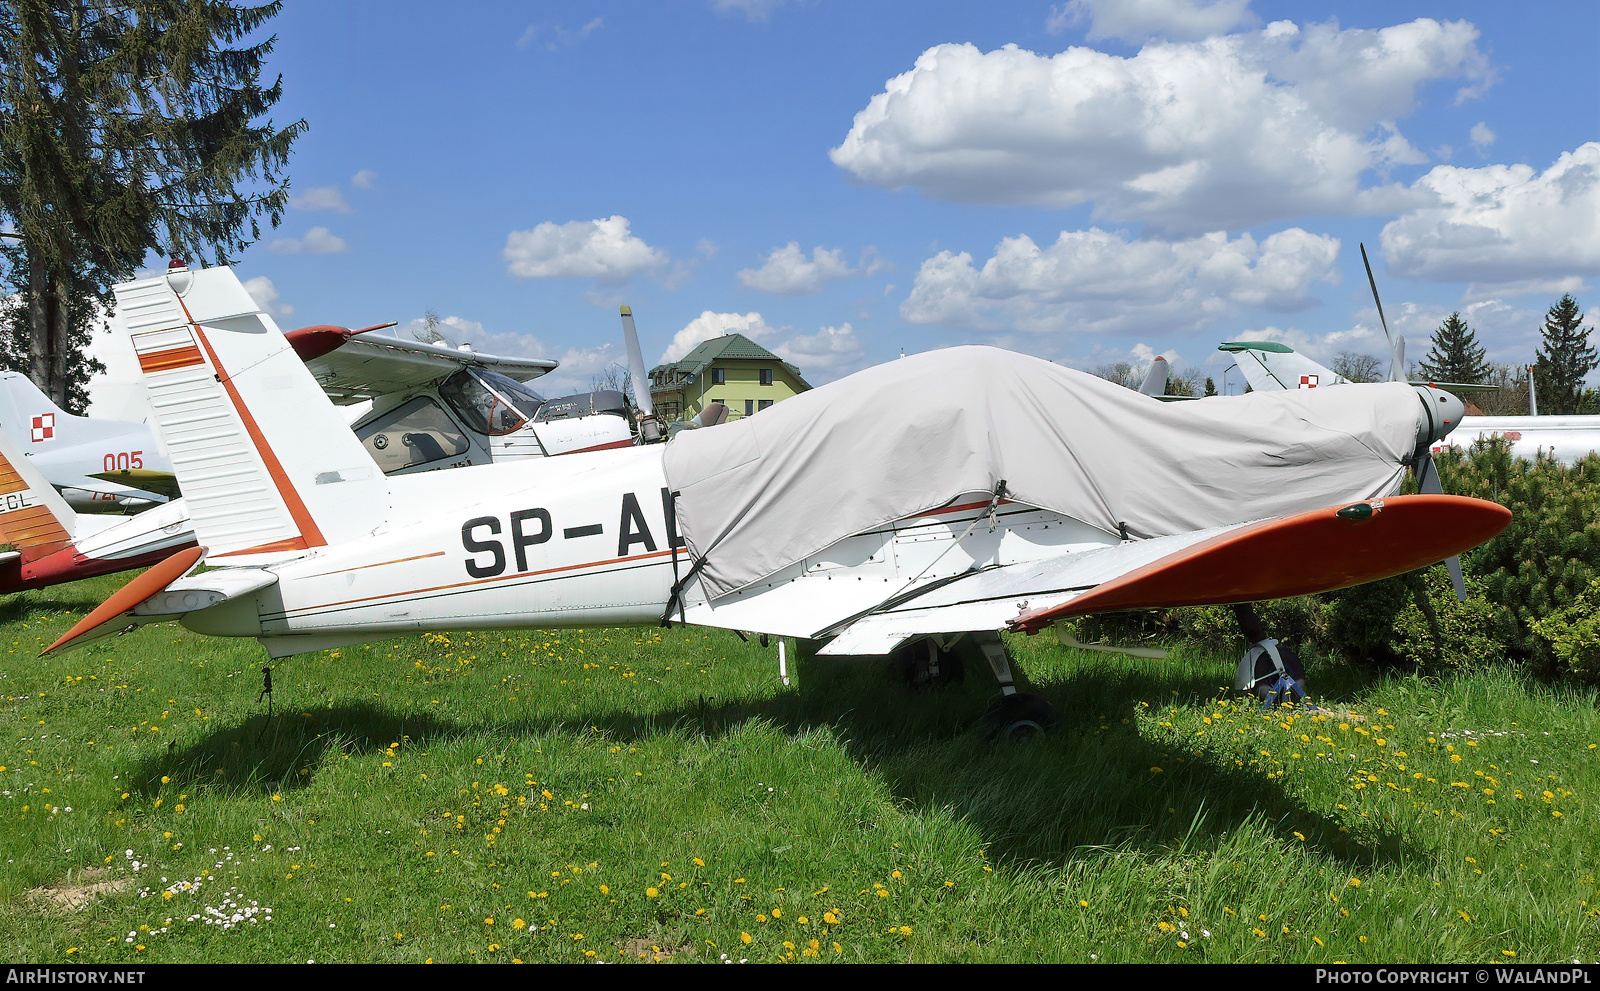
(1270, 367)
(267, 464)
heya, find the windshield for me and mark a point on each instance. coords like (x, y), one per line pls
(488, 402)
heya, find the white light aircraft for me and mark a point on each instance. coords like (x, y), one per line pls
(1017, 493)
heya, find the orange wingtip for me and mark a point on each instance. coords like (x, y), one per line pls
(1309, 552)
(158, 577)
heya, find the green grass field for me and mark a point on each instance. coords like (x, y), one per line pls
(617, 795)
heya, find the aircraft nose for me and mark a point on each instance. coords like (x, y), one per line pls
(1444, 411)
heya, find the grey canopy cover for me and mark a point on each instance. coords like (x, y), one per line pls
(764, 492)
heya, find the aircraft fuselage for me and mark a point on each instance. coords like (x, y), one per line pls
(544, 543)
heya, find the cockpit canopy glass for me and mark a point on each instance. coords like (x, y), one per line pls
(488, 402)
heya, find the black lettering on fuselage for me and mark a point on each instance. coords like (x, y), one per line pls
(633, 529)
(520, 541)
(497, 562)
(669, 509)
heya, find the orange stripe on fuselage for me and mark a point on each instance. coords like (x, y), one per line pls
(310, 534)
(476, 581)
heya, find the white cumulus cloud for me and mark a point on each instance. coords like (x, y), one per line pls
(317, 241)
(603, 250)
(1096, 280)
(265, 294)
(1136, 20)
(1504, 226)
(321, 198)
(788, 272)
(1227, 132)
(823, 356)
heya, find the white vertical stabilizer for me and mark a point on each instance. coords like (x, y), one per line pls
(267, 464)
(34, 519)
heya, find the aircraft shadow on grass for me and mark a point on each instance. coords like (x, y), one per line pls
(1089, 786)
(22, 608)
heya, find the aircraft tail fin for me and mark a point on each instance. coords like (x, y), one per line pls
(1271, 367)
(34, 520)
(267, 464)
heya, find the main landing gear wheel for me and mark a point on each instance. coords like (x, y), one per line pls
(1270, 670)
(1015, 716)
(1020, 717)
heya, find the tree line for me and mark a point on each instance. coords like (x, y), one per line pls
(131, 131)
(1562, 362)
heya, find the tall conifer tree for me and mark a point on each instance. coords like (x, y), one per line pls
(1455, 355)
(125, 128)
(1565, 359)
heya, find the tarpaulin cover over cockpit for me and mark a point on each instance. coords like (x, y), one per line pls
(764, 492)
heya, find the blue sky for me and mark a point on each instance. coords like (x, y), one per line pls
(1089, 181)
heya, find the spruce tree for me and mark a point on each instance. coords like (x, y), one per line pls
(1455, 355)
(125, 128)
(1564, 361)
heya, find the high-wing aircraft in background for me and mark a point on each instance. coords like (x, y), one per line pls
(1013, 494)
(427, 407)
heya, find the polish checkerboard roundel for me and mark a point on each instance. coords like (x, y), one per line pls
(44, 427)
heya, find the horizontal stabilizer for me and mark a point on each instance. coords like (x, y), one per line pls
(116, 612)
(1318, 551)
(165, 591)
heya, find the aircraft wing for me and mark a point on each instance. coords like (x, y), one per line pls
(1316, 551)
(163, 483)
(372, 365)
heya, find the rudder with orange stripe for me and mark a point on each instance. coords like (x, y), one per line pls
(268, 466)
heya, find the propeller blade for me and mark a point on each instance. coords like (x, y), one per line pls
(1428, 483)
(636, 370)
(1397, 345)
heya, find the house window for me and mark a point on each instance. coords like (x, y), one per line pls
(766, 376)
(719, 376)
(749, 407)
(763, 404)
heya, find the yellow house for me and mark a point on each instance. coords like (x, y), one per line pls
(732, 370)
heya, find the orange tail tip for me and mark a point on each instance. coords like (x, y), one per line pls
(1317, 551)
(124, 599)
